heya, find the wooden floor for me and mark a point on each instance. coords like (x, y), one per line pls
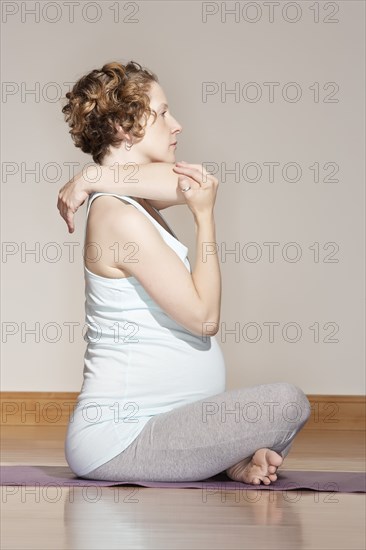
(134, 517)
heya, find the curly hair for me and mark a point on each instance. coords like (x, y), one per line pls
(114, 94)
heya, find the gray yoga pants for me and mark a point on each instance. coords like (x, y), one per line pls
(204, 438)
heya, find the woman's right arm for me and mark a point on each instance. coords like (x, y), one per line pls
(192, 299)
(155, 181)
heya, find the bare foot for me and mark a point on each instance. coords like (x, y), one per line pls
(261, 467)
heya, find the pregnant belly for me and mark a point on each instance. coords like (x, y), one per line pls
(154, 378)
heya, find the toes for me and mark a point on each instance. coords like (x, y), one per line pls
(272, 469)
(272, 477)
(274, 458)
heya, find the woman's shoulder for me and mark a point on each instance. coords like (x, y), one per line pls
(110, 212)
(106, 209)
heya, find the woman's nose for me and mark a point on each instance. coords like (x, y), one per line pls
(176, 127)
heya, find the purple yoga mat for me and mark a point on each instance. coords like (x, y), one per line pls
(62, 476)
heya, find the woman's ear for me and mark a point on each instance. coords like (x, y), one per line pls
(119, 130)
(123, 137)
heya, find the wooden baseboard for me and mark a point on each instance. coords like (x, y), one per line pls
(329, 412)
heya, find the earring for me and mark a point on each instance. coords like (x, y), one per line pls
(128, 146)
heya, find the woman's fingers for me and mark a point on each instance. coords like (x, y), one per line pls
(197, 166)
(196, 171)
(65, 211)
(70, 198)
(184, 177)
(185, 181)
(70, 221)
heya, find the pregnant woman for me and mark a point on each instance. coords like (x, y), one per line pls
(153, 405)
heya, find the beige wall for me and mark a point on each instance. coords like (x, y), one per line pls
(317, 302)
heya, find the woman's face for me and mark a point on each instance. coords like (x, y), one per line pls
(156, 145)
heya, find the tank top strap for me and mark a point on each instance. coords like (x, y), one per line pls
(96, 194)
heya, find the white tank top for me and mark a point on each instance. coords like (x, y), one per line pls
(138, 363)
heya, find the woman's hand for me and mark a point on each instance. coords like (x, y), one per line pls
(201, 197)
(72, 195)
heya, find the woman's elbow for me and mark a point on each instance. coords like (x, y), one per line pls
(207, 328)
(211, 327)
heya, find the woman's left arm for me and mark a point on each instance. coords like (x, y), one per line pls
(156, 182)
